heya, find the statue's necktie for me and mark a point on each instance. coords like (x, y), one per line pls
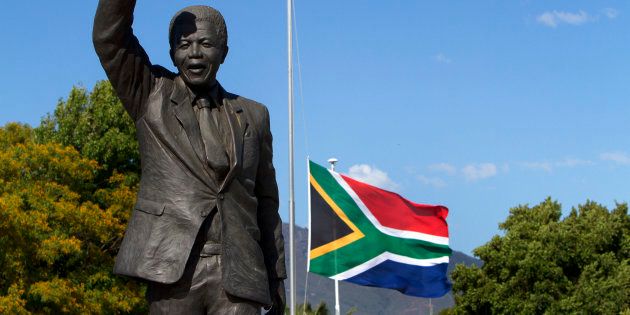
(212, 134)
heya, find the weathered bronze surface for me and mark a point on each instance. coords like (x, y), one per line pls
(205, 232)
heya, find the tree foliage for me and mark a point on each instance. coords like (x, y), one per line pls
(547, 265)
(67, 189)
(307, 309)
(320, 309)
(95, 124)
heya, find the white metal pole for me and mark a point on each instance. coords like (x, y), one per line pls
(292, 286)
(332, 162)
(337, 306)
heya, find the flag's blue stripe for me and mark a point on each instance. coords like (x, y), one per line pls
(428, 282)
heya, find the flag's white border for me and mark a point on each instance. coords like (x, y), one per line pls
(389, 256)
(386, 230)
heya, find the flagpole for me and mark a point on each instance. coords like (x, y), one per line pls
(332, 162)
(292, 287)
(337, 306)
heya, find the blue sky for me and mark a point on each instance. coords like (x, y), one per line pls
(476, 105)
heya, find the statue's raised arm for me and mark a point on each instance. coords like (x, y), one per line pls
(124, 60)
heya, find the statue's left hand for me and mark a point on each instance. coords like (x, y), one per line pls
(278, 298)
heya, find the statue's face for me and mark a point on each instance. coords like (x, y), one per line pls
(197, 54)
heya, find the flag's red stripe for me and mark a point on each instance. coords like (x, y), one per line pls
(393, 211)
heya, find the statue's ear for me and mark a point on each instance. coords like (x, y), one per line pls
(225, 52)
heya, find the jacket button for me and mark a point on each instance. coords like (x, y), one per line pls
(221, 196)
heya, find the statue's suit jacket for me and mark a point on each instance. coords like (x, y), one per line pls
(177, 188)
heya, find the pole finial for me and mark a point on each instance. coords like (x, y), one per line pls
(332, 162)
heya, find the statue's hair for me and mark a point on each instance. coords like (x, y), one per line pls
(196, 13)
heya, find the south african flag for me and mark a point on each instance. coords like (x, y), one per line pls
(369, 236)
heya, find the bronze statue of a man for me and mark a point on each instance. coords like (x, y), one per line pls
(205, 233)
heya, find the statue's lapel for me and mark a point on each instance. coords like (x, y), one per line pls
(238, 124)
(182, 108)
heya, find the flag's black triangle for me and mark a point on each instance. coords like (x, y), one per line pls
(326, 225)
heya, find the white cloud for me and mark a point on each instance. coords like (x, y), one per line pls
(442, 58)
(616, 157)
(572, 162)
(474, 172)
(431, 181)
(548, 166)
(372, 176)
(443, 167)
(554, 18)
(610, 13)
(545, 166)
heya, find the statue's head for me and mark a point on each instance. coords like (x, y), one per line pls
(198, 39)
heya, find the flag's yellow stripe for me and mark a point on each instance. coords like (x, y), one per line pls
(329, 247)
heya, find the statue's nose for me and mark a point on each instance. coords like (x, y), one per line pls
(195, 51)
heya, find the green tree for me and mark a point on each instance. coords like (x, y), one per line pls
(547, 265)
(320, 309)
(307, 309)
(59, 231)
(95, 124)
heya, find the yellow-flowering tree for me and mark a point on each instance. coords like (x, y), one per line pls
(60, 227)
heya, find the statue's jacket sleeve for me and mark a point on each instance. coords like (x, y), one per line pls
(267, 194)
(176, 193)
(126, 63)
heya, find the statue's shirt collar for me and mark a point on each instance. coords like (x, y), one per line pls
(213, 94)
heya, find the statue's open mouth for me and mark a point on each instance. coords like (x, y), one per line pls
(196, 68)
